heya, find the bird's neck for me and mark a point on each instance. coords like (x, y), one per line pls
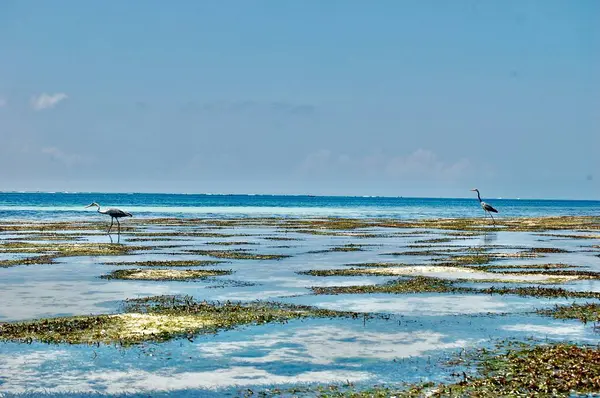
(478, 197)
(101, 211)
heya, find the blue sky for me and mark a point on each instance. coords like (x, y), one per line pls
(401, 98)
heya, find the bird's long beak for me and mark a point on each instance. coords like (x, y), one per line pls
(474, 189)
(90, 205)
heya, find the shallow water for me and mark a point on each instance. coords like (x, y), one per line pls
(408, 344)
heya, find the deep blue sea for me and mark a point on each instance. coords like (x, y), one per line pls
(72, 206)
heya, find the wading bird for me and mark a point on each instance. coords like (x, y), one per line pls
(486, 207)
(114, 214)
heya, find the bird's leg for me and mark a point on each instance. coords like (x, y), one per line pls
(111, 224)
(119, 224)
(486, 213)
(494, 221)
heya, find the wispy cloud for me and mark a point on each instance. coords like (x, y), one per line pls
(142, 105)
(421, 164)
(66, 158)
(46, 101)
(425, 163)
(250, 105)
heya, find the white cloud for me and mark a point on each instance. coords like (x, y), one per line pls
(46, 101)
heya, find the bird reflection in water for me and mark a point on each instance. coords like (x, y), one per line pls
(489, 238)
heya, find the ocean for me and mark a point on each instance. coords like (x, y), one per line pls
(69, 206)
(396, 337)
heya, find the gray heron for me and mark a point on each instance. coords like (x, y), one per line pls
(485, 206)
(114, 214)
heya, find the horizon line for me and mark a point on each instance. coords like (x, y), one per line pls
(268, 194)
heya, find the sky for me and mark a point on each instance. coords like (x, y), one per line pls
(336, 97)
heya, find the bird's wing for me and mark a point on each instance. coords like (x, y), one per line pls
(118, 213)
(488, 207)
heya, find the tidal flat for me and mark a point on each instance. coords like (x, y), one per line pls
(300, 307)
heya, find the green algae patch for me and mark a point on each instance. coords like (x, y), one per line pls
(119, 328)
(417, 284)
(27, 261)
(545, 250)
(347, 390)
(239, 254)
(193, 234)
(571, 236)
(157, 319)
(51, 251)
(99, 329)
(339, 272)
(555, 370)
(351, 247)
(282, 238)
(463, 234)
(515, 224)
(338, 233)
(163, 274)
(434, 240)
(430, 253)
(456, 226)
(480, 258)
(225, 243)
(58, 226)
(381, 265)
(330, 223)
(458, 261)
(589, 312)
(538, 291)
(168, 263)
(43, 237)
(70, 249)
(526, 266)
(429, 284)
(481, 224)
(549, 370)
(504, 224)
(462, 274)
(348, 248)
(575, 274)
(157, 239)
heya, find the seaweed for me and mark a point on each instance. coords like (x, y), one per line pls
(163, 274)
(159, 318)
